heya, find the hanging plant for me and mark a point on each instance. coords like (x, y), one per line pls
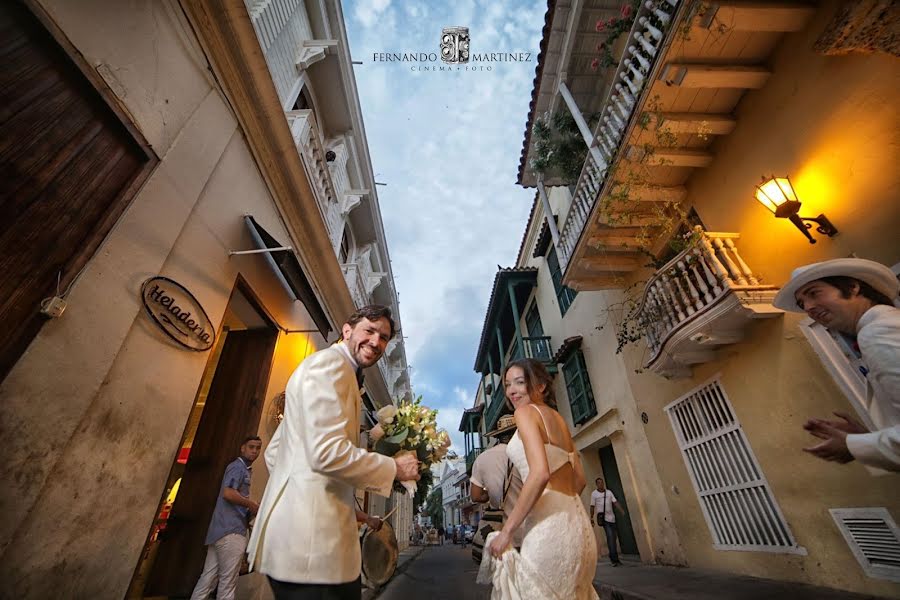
(559, 148)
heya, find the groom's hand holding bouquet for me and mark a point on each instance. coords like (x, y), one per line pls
(409, 433)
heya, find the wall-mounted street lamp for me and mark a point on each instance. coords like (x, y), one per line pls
(777, 194)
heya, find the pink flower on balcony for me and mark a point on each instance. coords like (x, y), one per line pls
(601, 25)
(611, 22)
(594, 64)
(626, 11)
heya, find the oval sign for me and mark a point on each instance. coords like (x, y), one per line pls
(178, 313)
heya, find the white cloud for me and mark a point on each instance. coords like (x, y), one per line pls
(447, 145)
(368, 11)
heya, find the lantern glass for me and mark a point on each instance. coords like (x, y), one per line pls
(774, 192)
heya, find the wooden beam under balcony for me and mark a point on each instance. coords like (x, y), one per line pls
(612, 263)
(650, 193)
(714, 76)
(670, 157)
(702, 123)
(602, 282)
(756, 16)
(625, 243)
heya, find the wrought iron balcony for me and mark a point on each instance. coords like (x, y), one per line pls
(703, 298)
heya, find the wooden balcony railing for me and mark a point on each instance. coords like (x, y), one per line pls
(702, 298)
(650, 23)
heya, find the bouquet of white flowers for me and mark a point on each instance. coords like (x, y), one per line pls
(410, 427)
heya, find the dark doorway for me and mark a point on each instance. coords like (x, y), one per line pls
(627, 541)
(227, 409)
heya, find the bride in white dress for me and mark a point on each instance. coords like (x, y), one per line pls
(558, 557)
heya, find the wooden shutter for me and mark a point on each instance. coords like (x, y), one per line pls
(578, 386)
(68, 168)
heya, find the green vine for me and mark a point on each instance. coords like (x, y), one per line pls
(559, 147)
(629, 319)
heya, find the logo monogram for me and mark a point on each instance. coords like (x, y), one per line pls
(455, 45)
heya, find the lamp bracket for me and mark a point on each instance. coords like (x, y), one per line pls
(825, 227)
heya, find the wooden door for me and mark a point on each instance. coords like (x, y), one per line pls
(68, 168)
(232, 412)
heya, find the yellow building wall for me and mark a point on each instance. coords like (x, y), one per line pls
(831, 124)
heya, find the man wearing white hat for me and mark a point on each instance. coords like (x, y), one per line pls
(856, 297)
(496, 481)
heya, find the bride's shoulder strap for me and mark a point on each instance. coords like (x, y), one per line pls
(543, 420)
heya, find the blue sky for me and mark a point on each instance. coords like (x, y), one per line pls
(447, 144)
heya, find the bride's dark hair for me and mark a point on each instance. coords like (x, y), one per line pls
(535, 375)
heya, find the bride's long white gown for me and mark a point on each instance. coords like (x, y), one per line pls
(558, 556)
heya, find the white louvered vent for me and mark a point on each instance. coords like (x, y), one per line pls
(738, 504)
(874, 539)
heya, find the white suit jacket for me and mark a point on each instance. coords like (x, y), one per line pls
(878, 336)
(306, 529)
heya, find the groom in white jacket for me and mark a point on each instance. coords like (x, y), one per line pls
(305, 538)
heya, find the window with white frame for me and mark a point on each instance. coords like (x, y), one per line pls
(740, 509)
(873, 538)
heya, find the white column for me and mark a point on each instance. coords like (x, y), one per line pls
(582, 124)
(548, 212)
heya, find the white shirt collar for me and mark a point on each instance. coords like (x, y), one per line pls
(346, 352)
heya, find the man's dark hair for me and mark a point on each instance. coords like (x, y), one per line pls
(251, 438)
(598, 479)
(845, 285)
(503, 438)
(372, 312)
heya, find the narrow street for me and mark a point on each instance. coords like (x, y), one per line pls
(439, 573)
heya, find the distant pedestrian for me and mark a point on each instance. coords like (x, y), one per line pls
(226, 538)
(604, 505)
(440, 532)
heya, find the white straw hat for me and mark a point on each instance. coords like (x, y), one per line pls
(875, 274)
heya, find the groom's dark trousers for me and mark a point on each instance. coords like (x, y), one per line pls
(352, 590)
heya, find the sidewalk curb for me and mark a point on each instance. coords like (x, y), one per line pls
(370, 594)
(612, 592)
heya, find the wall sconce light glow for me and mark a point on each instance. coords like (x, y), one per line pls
(777, 194)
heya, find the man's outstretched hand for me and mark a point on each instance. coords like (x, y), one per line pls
(834, 434)
(407, 467)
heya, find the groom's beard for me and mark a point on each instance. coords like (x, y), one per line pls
(364, 362)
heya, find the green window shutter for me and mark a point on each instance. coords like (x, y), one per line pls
(578, 386)
(564, 295)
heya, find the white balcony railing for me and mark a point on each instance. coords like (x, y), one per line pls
(631, 77)
(281, 28)
(704, 297)
(356, 284)
(306, 137)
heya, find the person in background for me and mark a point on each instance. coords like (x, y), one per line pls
(226, 539)
(495, 481)
(604, 505)
(856, 298)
